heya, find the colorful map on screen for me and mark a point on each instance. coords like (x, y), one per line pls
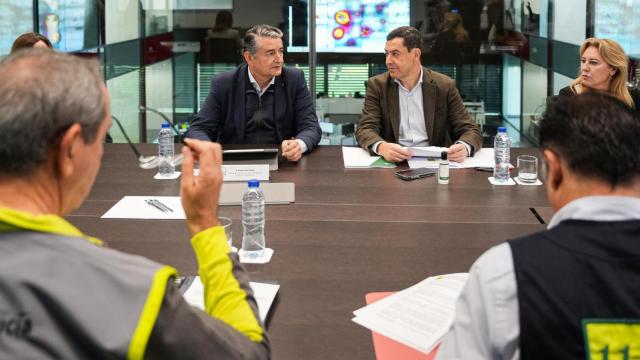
(357, 26)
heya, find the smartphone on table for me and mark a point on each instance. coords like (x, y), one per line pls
(413, 174)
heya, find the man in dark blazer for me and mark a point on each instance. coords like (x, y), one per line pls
(413, 106)
(260, 102)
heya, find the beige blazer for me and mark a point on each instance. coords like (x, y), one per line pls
(445, 116)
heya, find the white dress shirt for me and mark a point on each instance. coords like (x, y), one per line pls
(260, 91)
(413, 129)
(487, 322)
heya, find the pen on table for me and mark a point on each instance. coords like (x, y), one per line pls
(485, 169)
(165, 207)
(151, 203)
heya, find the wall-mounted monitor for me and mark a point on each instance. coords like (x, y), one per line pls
(70, 25)
(348, 26)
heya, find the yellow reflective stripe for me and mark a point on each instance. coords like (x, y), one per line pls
(149, 313)
(14, 220)
(224, 299)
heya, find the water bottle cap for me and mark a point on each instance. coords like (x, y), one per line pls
(444, 155)
(502, 129)
(165, 125)
(254, 183)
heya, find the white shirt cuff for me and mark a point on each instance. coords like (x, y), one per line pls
(374, 147)
(467, 146)
(303, 146)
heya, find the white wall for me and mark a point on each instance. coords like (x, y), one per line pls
(570, 21)
(246, 13)
(159, 92)
(121, 20)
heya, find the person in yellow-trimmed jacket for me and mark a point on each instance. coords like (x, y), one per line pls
(62, 295)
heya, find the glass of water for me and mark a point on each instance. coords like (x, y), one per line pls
(527, 169)
(225, 222)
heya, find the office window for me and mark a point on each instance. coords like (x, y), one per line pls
(511, 90)
(560, 81)
(16, 17)
(320, 78)
(125, 101)
(570, 21)
(206, 72)
(158, 95)
(619, 20)
(344, 80)
(534, 96)
(185, 83)
(122, 19)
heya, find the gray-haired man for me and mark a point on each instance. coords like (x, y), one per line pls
(261, 101)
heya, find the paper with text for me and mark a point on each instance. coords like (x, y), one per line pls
(418, 316)
(264, 293)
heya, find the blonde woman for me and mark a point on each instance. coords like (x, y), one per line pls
(604, 68)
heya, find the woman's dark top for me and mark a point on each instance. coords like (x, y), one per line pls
(635, 96)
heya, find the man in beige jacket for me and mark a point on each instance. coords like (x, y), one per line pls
(411, 105)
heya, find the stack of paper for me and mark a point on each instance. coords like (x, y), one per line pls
(427, 151)
(264, 294)
(482, 158)
(418, 316)
(355, 157)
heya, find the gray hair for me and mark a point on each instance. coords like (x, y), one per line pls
(263, 30)
(43, 93)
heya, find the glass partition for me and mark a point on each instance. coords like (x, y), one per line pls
(16, 17)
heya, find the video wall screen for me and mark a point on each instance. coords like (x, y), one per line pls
(70, 25)
(361, 26)
(619, 20)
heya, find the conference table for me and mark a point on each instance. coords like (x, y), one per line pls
(349, 232)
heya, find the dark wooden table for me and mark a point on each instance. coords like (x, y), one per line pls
(350, 232)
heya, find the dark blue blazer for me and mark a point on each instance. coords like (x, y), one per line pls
(222, 118)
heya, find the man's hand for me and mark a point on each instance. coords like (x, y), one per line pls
(291, 150)
(393, 152)
(457, 152)
(200, 194)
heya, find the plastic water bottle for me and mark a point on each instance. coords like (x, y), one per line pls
(253, 243)
(166, 151)
(502, 150)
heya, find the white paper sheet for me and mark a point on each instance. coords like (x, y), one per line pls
(426, 151)
(135, 207)
(355, 157)
(264, 294)
(245, 172)
(418, 316)
(482, 158)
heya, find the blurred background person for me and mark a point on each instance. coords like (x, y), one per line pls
(449, 46)
(604, 68)
(29, 40)
(223, 28)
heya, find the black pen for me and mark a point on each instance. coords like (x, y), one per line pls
(151, 203)
(165, 207)
(485, 169)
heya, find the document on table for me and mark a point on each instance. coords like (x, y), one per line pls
(264, 293)
(418, 316)
(138, 207)
(427, 151)
(355, 157)
(245, 172)
(482, 158)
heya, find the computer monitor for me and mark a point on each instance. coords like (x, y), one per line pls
(347, 26)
